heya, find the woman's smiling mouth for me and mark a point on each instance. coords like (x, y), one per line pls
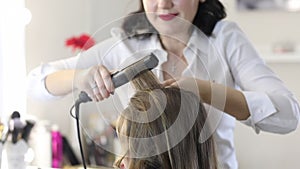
(168, 17)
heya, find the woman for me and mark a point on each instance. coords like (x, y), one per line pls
(155, 143)
(232, 79)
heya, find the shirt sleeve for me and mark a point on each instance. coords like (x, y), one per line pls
(36, 78)
(273, 108)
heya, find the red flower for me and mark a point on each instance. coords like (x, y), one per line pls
(82, 42)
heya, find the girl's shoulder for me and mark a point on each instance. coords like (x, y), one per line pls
(226, 27)
(229, 32)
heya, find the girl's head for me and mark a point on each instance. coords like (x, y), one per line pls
(158, 16)
(161, 127)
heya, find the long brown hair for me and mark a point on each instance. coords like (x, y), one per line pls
(164, 108)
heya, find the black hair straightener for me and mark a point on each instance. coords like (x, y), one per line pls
(126, 74)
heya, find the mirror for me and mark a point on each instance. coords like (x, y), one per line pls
(251, 5)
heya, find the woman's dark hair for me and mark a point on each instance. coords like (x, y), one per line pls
(208, 14)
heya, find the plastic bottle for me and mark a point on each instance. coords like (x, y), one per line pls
(41, 144)
(57, 147)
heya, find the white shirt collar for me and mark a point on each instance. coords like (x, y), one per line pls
(198, 43)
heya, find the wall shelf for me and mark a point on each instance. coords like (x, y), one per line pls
(280, 53)
(281, 58)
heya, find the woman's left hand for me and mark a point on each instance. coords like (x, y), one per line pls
(185, 83)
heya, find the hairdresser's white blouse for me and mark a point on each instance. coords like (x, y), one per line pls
(227, 57)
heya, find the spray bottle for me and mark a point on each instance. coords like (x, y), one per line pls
(57, 147)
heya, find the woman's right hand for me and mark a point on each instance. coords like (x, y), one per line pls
(95, 81)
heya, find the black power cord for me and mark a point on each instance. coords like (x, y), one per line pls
(83, 98)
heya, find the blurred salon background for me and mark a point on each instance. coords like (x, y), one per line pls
(40, 29)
